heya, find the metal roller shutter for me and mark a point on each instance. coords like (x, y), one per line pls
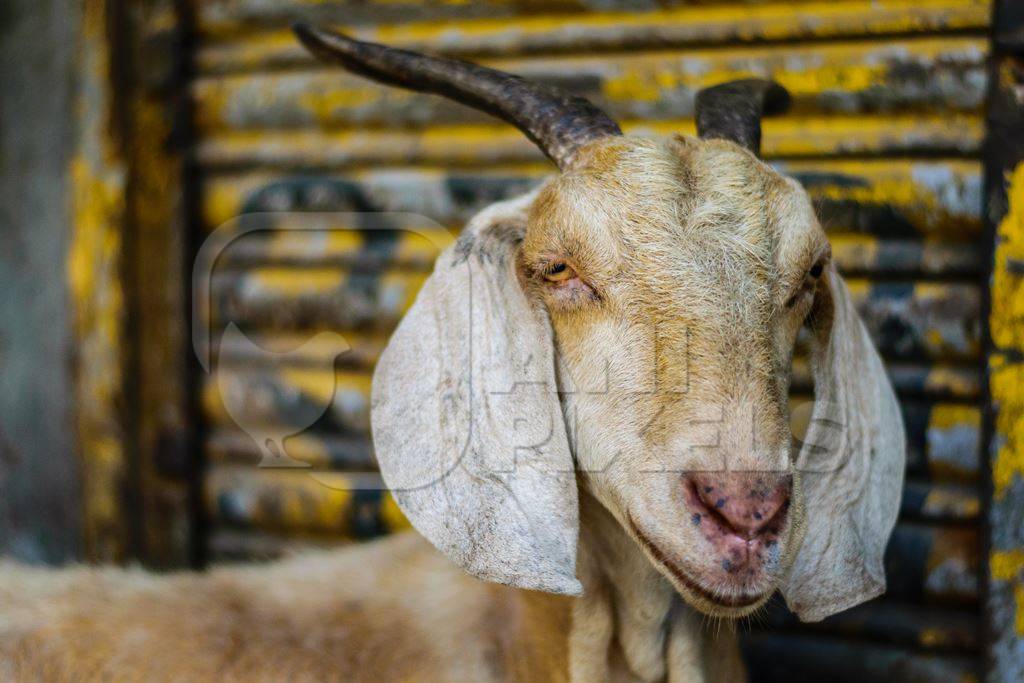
(885, 133)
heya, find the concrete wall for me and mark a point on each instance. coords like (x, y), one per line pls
(39, 496)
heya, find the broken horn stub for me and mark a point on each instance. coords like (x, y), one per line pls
(733, 111)
(555, 120)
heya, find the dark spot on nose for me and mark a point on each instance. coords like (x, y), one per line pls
(720, 503)
(727, 565)
(757, 515)
(696, 518)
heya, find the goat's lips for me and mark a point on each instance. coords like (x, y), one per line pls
(741, 601)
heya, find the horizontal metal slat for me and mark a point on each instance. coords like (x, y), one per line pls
(321, 298)
(289, 400)
(914, 320)
(604, 31)
(934, 564)
(228, 17)
(483, 145)
(229, 445)
(271, 351)
(940, 502)
(796, 659)
(300, 501)
(887, 621)
(343, 244)
(918, 75)
(943, 440)
(911, 379)
(220, 17)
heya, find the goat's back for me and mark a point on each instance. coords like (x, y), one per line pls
(390, 610)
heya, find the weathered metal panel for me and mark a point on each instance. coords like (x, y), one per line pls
(843, 78)
(1004, 199)
(600, 31)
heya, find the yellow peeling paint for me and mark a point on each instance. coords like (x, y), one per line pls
(952, 502)
(94, 279)
(394, 519)
(293, 282)
(1007, 319)
(772, 21)
(322, 104)
(947, 416)
(1007, 386)
(1008, 565)
(1007, 324)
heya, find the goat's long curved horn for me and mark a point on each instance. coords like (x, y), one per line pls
(556, 121)
(733, 110)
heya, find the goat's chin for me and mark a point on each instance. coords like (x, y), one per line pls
(724, 600)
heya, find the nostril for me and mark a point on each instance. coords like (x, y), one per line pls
(746, 503)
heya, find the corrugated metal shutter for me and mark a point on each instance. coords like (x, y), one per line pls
(885, 134)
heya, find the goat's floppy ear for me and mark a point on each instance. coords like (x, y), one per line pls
(850, 467)
(467, 425)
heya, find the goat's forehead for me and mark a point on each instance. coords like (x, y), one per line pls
(711, 206)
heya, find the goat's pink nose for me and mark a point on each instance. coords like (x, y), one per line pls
(746, 502)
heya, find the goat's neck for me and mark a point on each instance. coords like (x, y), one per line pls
(630, 624)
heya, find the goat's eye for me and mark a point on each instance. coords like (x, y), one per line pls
(559, 272)
(816, 270)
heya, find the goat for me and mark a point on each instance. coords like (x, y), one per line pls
(586, 408)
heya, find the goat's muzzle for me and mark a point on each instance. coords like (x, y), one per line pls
(742, 515)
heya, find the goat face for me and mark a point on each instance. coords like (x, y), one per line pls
(629, 328)
(676, 278)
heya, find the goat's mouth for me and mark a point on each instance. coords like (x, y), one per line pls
(705, 599)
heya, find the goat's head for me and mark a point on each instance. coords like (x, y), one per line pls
(629, 328)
